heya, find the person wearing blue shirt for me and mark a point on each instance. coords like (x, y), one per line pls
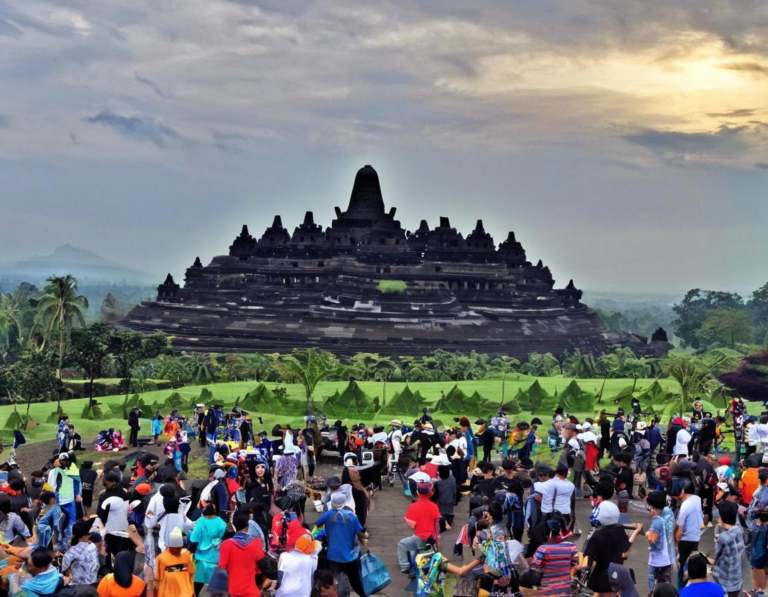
(341, 528)
(466, 430)
(698, 585)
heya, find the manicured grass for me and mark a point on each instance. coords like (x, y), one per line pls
(227, 393)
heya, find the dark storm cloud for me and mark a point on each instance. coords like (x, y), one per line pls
(747, 67)
(153, 86)
(543, 117)
(142, 128)
(689, 143)
(740, 113)
(762, 165)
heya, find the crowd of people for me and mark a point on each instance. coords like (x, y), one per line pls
(247, 528)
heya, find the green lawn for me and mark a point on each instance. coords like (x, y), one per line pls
(227, 393)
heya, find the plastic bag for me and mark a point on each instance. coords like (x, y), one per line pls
(373, 573)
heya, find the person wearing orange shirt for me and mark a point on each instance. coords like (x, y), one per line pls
(122, 583)
(174, 568)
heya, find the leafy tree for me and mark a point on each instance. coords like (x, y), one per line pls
(259, 366)
(173, 368)
(33, 377)
(758, 308)
(578, 364)
(750, 379)
(541, 365)
(89, 352)
(694, 308)
(110, 309)
(725, 328)
(308, 367)
(131, 349)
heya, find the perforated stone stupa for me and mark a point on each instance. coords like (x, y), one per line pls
(323, 287)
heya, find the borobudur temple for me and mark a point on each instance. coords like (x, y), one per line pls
(365, 284)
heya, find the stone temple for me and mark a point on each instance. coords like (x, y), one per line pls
(366, 284)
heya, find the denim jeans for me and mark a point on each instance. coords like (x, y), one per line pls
(405, 547)
(66, 533)
(211, 440)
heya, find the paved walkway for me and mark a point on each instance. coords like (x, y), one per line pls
(386, 528)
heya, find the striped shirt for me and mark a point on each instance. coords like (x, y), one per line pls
(729, 547)
(555, 561)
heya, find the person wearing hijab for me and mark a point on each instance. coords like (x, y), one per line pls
(122, 582)
(206, 537)
(351, 476)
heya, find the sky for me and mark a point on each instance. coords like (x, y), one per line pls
(625, 141)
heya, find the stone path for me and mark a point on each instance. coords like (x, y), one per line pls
(386, 528)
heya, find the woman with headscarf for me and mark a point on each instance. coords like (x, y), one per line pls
(175, 517)
(206, 539)
(708, 434)
(351, 476)
(260, 487)
(123, 582)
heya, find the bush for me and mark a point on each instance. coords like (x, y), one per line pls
(392, 286)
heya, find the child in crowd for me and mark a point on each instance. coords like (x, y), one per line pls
(157, 429)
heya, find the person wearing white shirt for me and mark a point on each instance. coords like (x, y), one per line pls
(681, 443)
(296, 568)
(556, 494)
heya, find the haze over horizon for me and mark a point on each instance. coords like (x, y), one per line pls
(624, 143)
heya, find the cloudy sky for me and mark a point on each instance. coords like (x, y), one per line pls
(625, 141)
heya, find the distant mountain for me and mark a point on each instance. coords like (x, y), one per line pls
(85, 265)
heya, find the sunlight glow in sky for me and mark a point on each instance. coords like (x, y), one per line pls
(625, 142)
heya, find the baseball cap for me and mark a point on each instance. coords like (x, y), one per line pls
(424, 488)
(607, 514)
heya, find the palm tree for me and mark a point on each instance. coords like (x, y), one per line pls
(201, 367)
(309, 367)
(690, 373)
(11, 312)
(61, 308)
(383, 371)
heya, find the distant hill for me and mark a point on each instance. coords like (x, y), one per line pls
(85, 265)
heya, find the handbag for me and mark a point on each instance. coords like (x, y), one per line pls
(373, 573)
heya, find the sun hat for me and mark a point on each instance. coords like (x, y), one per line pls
(396, 423)
(338, 500)
(641, 427)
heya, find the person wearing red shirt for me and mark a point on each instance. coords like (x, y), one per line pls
(239, 556)
(424, 518)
